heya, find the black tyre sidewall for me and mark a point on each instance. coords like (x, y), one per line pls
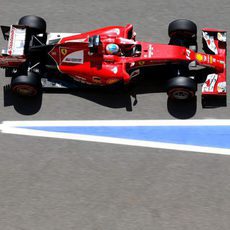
(181, 84)
(36, 23)
(182, 26)
(32, 82)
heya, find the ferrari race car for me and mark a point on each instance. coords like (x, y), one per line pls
(35, 59)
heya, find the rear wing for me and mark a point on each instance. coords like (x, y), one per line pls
(16, 37)
(13, 54)
(21, 43)
(215, 44)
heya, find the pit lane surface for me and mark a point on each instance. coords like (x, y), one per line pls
(63, 184)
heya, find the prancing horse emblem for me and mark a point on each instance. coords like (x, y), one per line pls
(63, 51)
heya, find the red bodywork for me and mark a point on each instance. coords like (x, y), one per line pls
(104, 69)
(72, 56)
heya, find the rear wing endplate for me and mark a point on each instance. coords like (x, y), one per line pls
(16, 40)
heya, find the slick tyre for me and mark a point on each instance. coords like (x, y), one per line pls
(181, 88)
(37, 24)
(182, 28)
(27, 86)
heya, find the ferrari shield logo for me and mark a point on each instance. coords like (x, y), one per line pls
(63, 51)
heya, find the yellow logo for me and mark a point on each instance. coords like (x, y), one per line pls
(211, 59)
(141, 62)
(96, 80)
(63, 51)
(112, 81)
(199, 57)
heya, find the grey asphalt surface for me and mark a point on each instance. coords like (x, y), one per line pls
(60, 184)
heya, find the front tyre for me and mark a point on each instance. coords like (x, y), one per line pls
(183, 32)
(182, 28)
(181, 88)
(24, 85)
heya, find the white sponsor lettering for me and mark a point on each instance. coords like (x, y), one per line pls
(150, 51)
(16, 41)
(75, 57)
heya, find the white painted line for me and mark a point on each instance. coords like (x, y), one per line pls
(120, 141)
(123, 123)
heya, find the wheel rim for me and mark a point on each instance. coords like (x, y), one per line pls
(25, 90)
(182, 34)
(181, 94)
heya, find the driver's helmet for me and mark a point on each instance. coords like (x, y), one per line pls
(112, 49)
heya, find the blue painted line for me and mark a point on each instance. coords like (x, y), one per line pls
(206, 136)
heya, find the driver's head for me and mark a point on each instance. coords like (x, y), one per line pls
(112, 49)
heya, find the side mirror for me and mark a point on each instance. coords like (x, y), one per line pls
(94, 43)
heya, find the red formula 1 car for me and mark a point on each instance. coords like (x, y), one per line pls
(110, 55)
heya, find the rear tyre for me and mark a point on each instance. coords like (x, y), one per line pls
(37, 24)
(181, 88)
(26, 85)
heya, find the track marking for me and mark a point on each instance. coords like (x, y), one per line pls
(46, 129)
(199, 122)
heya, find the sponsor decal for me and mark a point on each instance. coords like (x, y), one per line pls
(188, 54)
(199, 57)
(210, 82)
(81, 80)
(96, 80)
(222, 36)
(150, 51)
(112, 81)
(221, 87)
(11, 39)
(75, 57)
(210, 59)
(210, 42)
(115, 70)
(222, 62)
(141, 62)
(16, 41)
(63, 51)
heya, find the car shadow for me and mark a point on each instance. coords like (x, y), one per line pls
(182, 109)
(151, 80)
